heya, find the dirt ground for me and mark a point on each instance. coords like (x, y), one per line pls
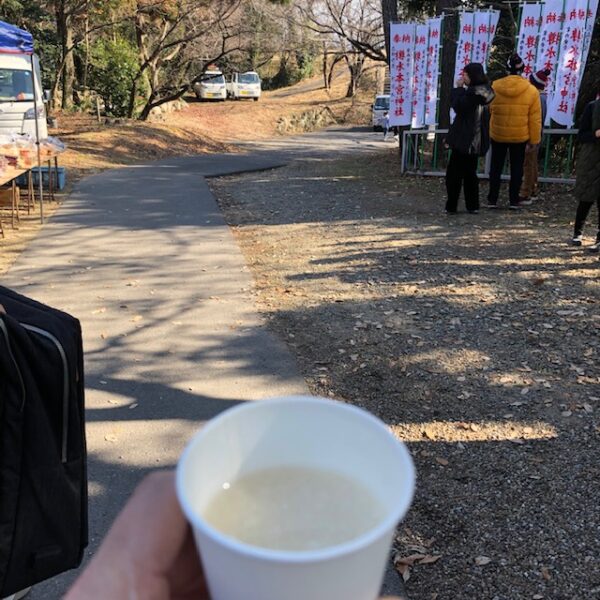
(199, 128)
(475, 337)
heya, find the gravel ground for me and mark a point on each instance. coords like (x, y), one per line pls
(476, 337)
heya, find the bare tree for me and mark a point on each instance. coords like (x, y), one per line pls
(356, 28)
(167, 35)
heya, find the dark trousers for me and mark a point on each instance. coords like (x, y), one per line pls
(583, 210)
(517, 158)
(462, 170)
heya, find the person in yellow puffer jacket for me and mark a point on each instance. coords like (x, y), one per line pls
(515, 127)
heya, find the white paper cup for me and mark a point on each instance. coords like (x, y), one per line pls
(301, 432)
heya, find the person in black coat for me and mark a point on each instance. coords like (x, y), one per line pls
(587, 187)
(469, 136)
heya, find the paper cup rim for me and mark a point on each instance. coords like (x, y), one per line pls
(298, 556)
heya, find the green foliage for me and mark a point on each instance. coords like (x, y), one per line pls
(31, 15)
(114, 65)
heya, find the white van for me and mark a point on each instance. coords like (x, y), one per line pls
(211, 86)
(244, 85)
(17, 110)
(381, 105)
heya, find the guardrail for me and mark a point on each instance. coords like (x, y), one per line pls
(424, 153)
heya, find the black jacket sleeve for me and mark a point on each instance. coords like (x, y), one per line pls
(586, 135)
(463, 101)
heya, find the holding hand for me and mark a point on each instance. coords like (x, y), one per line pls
(460, 82)
(148, 553)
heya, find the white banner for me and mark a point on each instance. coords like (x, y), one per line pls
(419, 76)
(477, 32)
(464, 48)
(433, 69)
(531, 20)
(402, 42)
(570, 62)
(483, 35)
(549, 41)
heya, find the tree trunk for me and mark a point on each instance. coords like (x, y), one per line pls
(356, 68)
(389, 11)
(64, 27)
(325, 63)
(448, 58)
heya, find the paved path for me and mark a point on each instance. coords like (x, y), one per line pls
(143, 257)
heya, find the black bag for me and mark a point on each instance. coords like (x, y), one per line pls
(43, 478)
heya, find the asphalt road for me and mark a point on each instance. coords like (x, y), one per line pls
(143, 257)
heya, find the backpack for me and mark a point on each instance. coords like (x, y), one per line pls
(43, 472)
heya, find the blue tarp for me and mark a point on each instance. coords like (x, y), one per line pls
(14, 40)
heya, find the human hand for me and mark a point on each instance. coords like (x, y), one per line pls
(460, 82)
(597, 133)
(531, 147)
(149, 552)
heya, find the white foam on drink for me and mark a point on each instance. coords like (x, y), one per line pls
(294, 509)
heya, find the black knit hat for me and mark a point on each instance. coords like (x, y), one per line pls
(540, 79)
(515, 64)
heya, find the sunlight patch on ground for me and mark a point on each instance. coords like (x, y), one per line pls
(496, 431)
(151, 444)
(449, 361)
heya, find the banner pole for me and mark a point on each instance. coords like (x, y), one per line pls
(439, 74)
(37, 140)
(518, 27)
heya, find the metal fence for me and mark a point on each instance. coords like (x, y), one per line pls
(424, 152)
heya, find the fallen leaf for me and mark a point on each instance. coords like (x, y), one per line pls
(482, 560)
(134, 405)
(109, 437)
(442, 461)
(430, 559)
(136, 318)
(546, 573)
(404, 570)
(408, 560)
(99, 310)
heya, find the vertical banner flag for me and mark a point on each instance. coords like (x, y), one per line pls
(483, 35)
(531, 17)
(402, 42)
(419, 76)
(549, 41)
(433, 69)
(464, 48)
(477, 32)
(568, 75)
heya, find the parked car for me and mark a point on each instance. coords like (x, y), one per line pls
(244, 85)
(381, 105)
(211, 86)
(17, 110)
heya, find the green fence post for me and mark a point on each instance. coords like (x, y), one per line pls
(569, 159)
(546, 154)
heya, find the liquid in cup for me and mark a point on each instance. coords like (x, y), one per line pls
(294, 508)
